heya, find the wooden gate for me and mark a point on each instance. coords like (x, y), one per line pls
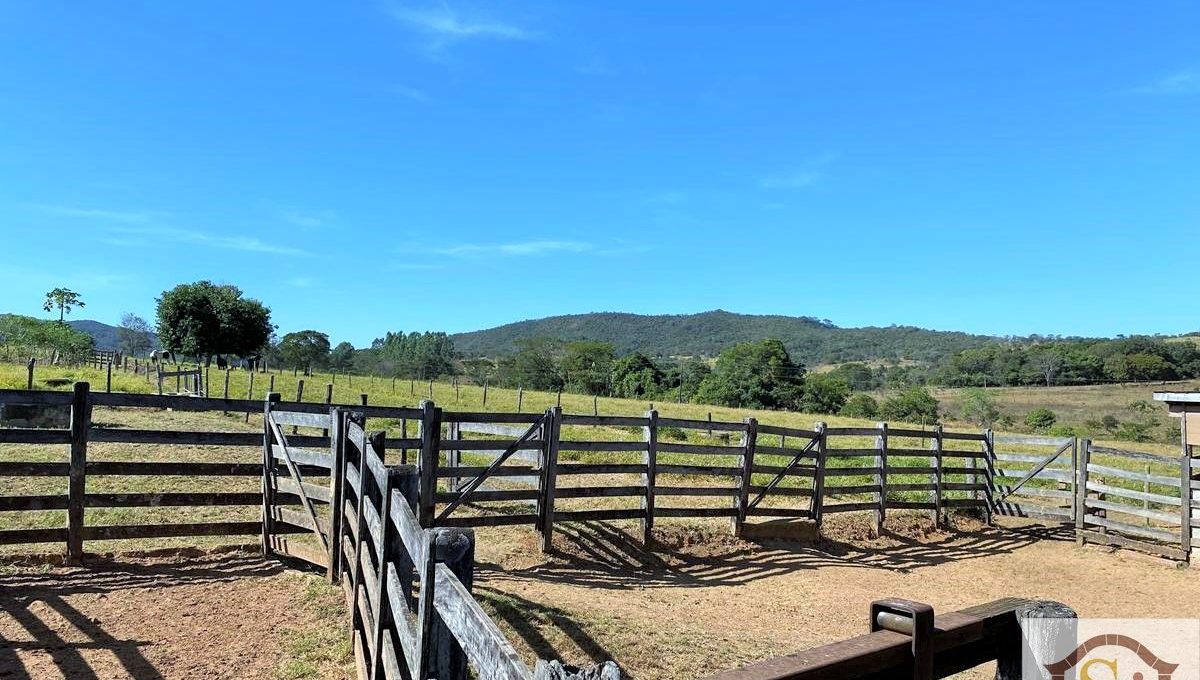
(1035, 477)
(300, 483)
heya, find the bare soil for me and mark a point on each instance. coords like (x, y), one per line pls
(702, 601)
(699, 602)
(186, 614)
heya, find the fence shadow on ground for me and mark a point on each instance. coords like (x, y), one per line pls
(540, 625)
(37, 620)
(600, 555)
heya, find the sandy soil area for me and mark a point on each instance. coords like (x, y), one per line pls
(186, 615)
(704, 602)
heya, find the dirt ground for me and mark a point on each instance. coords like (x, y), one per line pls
(190, 614)
(700, 602)
(705, 602)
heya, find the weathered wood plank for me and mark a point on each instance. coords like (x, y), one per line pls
(698, 449)
(589, 515)
(615, 447)
(490, 653)
(165, 500)
(39, 502)
(11, 468)
(122, 436)
(27, 536)
(30, 436)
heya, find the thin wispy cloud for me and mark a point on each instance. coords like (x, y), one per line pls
(411, 93)
(122, 216)
(443, 25)
(148, 236)
(1179, 82)
(300, 282)
(806, 175)
(526, 248)
(307, 220)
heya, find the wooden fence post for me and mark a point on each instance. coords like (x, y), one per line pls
(549, 475)
(742, 500)
(225, 393)
(1038, 631)
(386, 548)
(881, 461)
(520, 397)
(81, 420)
(29, 377)
(108, 378)
(431, 434)
(328, 402)
(1081, 476)
(1185, 490)
(299, 397)
(268, 480)
(337, 477)
(818, 500)
(454, 548)
(249, 393)
(989, 475)
(649, 477)
(935, 444)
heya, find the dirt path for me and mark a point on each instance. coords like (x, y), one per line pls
(710, 603)
(192, 615)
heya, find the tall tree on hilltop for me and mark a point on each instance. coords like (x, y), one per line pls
(63, 299)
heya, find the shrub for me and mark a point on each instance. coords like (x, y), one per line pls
(979, 407)
(1136, 432)
(672, 432)
(913, 405)
(860, 406)
(1041, 419)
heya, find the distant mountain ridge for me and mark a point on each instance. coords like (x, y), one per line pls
(809, 340)
(106, 336)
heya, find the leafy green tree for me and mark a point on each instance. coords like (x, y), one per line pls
(62, 299)
(587, 366)
(824, 394)
(535, 366)
(857, 375)
(304, 350)
(754, 375)
(479, 370)
(636, 376)
(341, 357)
(979, 407)
(25, 336)
(133, 335)
(418, 355)
(204, 319)
(912, 405)
(1041, 419)
(860, 405)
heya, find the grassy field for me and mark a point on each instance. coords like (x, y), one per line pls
(1074, 406)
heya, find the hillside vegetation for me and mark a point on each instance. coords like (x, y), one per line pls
(808, 340)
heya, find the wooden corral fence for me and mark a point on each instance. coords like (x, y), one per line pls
(487, 469)
(408, 588)
(746, 472)
(907, 640)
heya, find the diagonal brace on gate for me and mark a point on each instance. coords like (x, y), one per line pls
(1034, 472)
(783, 473)
(294, 472)
(478, 481)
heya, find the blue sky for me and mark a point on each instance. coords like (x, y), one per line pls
(365, 166)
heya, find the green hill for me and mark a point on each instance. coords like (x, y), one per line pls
(811, 341)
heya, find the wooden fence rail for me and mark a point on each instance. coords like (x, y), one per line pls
(487, 469)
